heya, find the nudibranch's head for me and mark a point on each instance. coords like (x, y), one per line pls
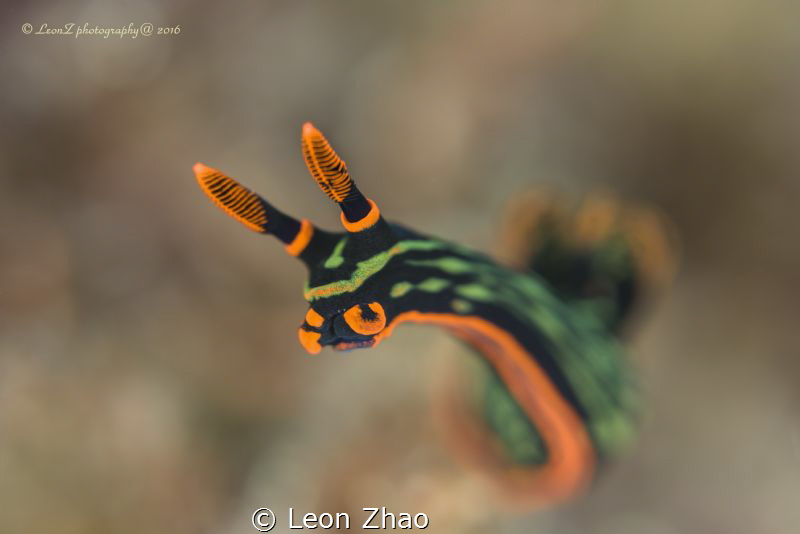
(355, 327)
(341, 315)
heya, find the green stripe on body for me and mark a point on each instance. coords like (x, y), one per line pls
(367, 268)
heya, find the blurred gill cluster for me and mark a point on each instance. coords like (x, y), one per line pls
(150, 379)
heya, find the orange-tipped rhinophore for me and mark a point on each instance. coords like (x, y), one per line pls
(325, 165)
(332, 176)
(253, 211)
(234, 199)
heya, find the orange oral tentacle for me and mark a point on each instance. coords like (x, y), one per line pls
(314, 319)
(309, 340)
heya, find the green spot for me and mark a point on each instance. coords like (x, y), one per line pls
(550, 323)
(474, 292)
(433, 285)
(509, 423)
(529, 452)
(615, 432)
(461, 306)
(400, 289)
(448, 264)
(336, 258)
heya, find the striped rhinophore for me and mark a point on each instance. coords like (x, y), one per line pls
(325, 165)
(235, 199)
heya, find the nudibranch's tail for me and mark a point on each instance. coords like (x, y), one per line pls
(601, 254)
(253, 211)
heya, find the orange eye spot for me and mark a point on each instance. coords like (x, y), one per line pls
(314, 319)
(310, 341)
(366, 322)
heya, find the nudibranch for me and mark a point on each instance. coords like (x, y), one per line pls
(556, 395)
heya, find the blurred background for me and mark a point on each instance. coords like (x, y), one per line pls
(150, 377)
